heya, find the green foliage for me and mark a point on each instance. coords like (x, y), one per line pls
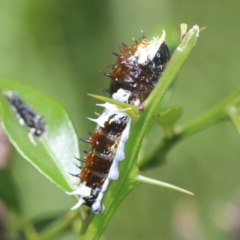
(9, 192)
(167, 119)
(53, 153)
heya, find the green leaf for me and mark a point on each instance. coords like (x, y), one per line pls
(168, 117)
(9, 192)
(54, 153)
(131, 110)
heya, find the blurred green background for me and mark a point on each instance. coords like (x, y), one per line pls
(57, 46)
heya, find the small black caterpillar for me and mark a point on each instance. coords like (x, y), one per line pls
(26, 115)
(134, 76)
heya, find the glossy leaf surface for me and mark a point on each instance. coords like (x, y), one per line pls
(53, 154)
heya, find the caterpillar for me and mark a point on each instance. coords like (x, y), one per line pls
(133, 77)
(26, 115)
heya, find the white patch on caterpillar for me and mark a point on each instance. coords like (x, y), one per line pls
(113, 173)
(82, 190)
(149, 49)
(109, 110)
(121, 95)
(98, 207)
(135, 102)
(105, 185)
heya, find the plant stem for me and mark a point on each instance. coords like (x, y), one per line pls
(213, 116)
(58, 226)
(204, 121)
(28, 229)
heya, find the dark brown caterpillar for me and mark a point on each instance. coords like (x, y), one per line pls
(134, 76)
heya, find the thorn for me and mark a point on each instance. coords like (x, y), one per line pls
(84, 151)
(74, 175)
(143, 34)
(85, 140)
(123, 44)
(104, 90)
(100, 104)
(116, 54)
(104, 73)
(98, 114)
(93, 120)
(77, 166)
(134, 40)
(111, 66)
(80, 159)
